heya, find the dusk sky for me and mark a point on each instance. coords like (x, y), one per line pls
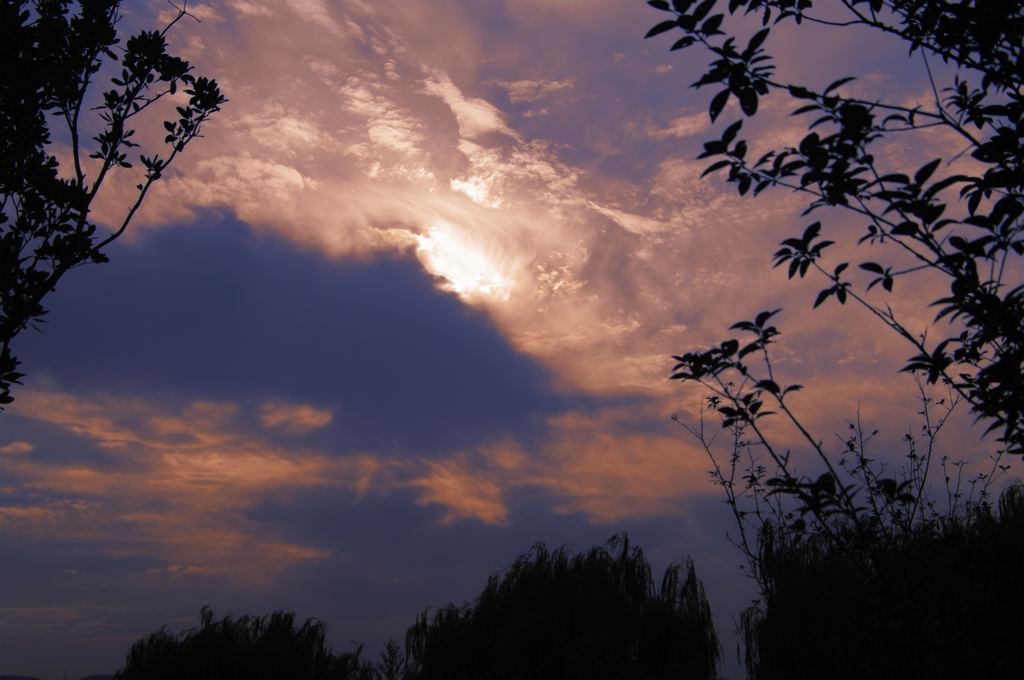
(407, 309)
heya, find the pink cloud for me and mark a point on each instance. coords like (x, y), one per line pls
(294, 418)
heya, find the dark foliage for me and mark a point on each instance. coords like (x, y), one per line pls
(862, 572)
(587, 616)
(942, 602)
(53, 52)
(391, 665)
(973, 237)
(270, 647)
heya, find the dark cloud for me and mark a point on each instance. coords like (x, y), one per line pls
(215, 311)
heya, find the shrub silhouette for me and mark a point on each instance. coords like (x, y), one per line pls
(247, 648)
(941, 602)
(556, 615)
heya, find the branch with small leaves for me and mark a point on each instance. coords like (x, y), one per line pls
(53, 51)
(836, 165)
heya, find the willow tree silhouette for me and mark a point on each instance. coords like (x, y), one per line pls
(270, 647)
(556, 615)
(53, 52)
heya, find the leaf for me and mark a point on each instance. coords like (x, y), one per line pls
(711, 25)
(763, 317)
(743, 185)
(757, 40)
(752, 347)
(905, 229)
(811, 232)
(947, 182)
(731, 131)
(839, 83)
(872, 267)
(926, 171)
(718, 165)
(703, 9)
(683, 42)
(661, 28)
(748, 101)
(717, 104)
(806, 109)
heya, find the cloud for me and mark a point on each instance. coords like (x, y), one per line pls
(294, 418)
(253, 9)
(202, 12)
(608, 466)
(315, 12)
(16, 448)
(177, 484)
(636, 224)
(30, 514)
(586, 237)
(683, 126)
(463, 491)
(534, 90)
(476, 117)
(349, 155)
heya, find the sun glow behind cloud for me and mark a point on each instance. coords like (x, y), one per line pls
(466, 267)
(588, 237)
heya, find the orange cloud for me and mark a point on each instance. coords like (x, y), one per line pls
(588, 463)
(181, 484)
(183, 481)
(465, 492)
(295, 419)
(16, 448)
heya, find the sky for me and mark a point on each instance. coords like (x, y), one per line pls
(406, 309)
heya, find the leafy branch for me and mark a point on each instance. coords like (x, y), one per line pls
(836, 166)
(54, 50)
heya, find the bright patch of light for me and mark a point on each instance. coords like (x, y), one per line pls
(467, 269)
(478, 191)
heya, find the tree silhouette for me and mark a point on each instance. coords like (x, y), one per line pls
(270, 647)
(971, 237)
(391, 665)
(53, 52)
(862, 572)
(556, 615)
